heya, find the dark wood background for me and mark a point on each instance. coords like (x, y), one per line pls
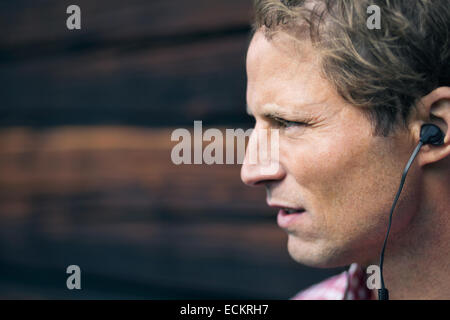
(85, 170)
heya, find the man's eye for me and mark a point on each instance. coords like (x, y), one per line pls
(287, 124)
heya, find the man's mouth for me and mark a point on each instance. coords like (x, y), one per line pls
(287, 215)
(286, 209)
(292, 211)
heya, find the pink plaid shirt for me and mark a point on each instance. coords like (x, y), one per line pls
(349, 285)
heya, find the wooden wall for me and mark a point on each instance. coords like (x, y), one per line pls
(85, 170)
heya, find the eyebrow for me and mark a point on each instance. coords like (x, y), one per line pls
(272, 110)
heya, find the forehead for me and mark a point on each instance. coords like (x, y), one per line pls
(269, 57)
(284, 72)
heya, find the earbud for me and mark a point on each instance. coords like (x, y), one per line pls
(431, 134)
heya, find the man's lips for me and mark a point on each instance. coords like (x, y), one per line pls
(287, 208)
(287, 215)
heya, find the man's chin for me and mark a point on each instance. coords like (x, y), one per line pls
(314, 254)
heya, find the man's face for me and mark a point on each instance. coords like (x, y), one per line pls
(332, 166)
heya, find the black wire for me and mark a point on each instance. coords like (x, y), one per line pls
(402, 181)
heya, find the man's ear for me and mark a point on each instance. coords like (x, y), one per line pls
(435, 108)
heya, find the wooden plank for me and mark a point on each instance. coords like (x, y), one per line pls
(173, 86)
(45, 20)
(81, 160)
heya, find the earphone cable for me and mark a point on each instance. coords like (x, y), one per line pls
(383, 293)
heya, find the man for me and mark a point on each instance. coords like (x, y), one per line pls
(349, 102)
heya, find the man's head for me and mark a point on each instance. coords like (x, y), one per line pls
(349, 103)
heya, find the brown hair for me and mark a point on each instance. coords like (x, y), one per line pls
(386, 70)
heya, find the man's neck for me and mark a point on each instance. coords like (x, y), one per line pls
(417, 266)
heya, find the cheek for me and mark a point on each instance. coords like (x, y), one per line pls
(338, 179)
(323, 167)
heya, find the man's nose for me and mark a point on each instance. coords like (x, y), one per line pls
(255, 171)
